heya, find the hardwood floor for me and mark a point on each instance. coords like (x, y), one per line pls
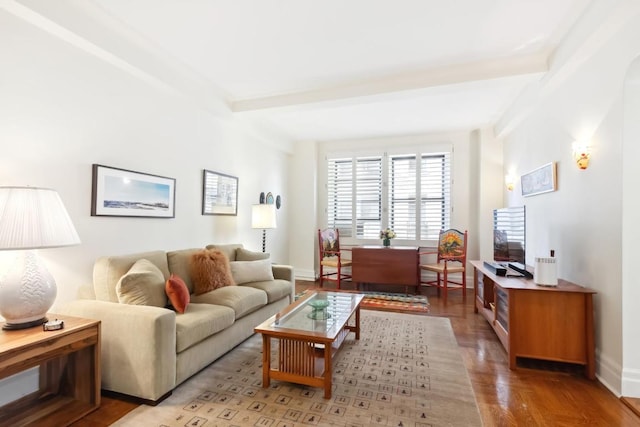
(536, 394)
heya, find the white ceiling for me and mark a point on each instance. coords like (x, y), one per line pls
(340, 69)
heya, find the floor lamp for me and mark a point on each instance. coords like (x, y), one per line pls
(263, 216)
(30, 218)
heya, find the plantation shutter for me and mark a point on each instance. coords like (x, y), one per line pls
(417, 197)
(368, 194)
(340, 195)
(402, 196)
(435, 189)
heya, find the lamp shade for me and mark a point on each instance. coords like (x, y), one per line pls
(34, 218)
(263, 216)
(30, 218)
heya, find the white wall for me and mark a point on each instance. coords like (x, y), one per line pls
(63, 109)
(304, 184)
(488, 187)
(581, 97)
(631, 234)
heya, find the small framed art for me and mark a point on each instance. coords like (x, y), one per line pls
(121, 192)
(540, 180)
(219, 194)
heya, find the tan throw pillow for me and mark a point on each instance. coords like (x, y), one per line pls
(251, 271)
(210, 270)
(246, 255)
(143, 284)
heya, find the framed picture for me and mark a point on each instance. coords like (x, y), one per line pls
(538, 181)
(121, 192)
(219, 194)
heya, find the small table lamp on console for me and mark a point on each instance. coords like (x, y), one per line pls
(30, 218)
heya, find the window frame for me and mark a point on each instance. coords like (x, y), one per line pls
(386, 189)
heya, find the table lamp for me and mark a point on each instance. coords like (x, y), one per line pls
(30, 218)
(263, 216)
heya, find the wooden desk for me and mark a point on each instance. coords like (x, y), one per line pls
(392, 265)
(69, 362)
(538, 322)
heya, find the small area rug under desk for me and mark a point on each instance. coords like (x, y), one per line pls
(389, 301)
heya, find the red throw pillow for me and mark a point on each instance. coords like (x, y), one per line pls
(178, 293)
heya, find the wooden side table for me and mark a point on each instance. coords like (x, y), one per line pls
(69, 362)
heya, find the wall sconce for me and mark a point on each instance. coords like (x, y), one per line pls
(510, 181)
(581, 154)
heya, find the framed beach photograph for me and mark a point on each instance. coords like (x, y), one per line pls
(121, 192)
(540, 180)
(219, 194)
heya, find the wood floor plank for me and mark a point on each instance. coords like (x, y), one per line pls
(536, 394)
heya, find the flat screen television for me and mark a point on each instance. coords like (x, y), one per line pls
(509, 236)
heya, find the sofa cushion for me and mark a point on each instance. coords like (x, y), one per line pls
(199, 322)
(143, 284)
(275, 289)
(242, 299)
(247, 255)
(108, 270)
(210, 270)
(229, 250)
(179, 263)
(177, 292)
(251, 271)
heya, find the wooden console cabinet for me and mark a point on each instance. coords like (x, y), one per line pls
(392, 265)
(69, 364)
(538, 322)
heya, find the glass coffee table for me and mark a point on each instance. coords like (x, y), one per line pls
(309, 332)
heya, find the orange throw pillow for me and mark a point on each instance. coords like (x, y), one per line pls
(210, 270)
(178, 293)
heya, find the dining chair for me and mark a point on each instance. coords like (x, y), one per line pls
(331, 257)
(451, 259)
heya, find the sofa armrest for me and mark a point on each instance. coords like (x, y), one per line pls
(138, 346)
(285, 272)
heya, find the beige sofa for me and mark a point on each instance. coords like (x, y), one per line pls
(146, 350)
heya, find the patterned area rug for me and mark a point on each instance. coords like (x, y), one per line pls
(405, 370)
(389, 301)
(395, 302)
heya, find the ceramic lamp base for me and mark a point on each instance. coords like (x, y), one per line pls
(27, 292)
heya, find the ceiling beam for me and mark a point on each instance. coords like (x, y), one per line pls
(414, 80)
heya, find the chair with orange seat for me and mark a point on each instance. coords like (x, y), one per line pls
(331, 257)
(452, 258)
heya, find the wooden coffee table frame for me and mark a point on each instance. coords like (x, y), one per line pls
(304, 357)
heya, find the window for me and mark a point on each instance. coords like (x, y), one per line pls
(413, 199)
(435, 195)
(355, 182)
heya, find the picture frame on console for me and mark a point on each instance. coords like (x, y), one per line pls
(127, 193)
(540, 180)
(219, 193)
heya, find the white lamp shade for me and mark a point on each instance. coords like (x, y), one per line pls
(263, 216)
(34, 218)
(30, 218)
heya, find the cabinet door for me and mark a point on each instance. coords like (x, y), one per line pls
(550, 325)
